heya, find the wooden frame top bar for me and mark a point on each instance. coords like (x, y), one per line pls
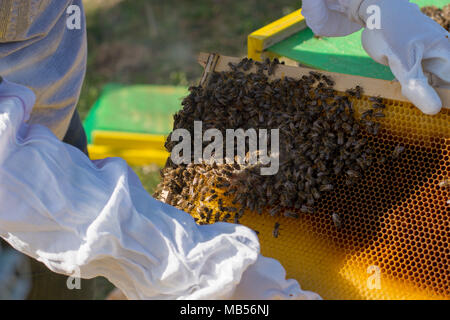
(372, 87)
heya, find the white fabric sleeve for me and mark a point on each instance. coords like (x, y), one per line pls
(331, 18)
(93, 218)
(68, 212)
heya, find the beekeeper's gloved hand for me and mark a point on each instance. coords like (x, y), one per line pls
(409, 42)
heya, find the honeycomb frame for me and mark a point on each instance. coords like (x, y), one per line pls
(396, 220)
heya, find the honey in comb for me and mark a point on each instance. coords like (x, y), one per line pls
(397, 220)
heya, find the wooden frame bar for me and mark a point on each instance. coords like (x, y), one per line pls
(372, 87)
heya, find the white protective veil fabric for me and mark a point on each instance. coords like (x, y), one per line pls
(90, 218)
(415, 47)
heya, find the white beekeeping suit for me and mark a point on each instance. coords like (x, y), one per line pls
(95, 219)
(411, 44)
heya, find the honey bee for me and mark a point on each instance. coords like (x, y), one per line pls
(381, 160)
(361, 163)
(290, 214)
(328, 80)
(347, 127)
(349, 182)
(274, 211)
(315, 193)
(379, 115)
(445, 184)
(208, 215)
(379, 106)
(375, 129)
(306, 209)
(352, 92)
(233, 66)
(336, 220)
(272, 68)
(338, 168)
(397, 151)
(222, 185)
(359, 144)
(367, 113)
(211, 198)
(326, 187)
(376, 100)
(340, 140)
(276, 230)
(191, 192)
(353, 174)
(358, 92)
(195, 181)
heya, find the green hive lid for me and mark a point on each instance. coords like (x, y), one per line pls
(138, 109)
(341, 54)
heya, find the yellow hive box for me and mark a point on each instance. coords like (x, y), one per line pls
(136, 148)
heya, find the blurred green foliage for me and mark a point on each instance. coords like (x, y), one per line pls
(156, 42)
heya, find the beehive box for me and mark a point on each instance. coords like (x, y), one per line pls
(394, 223)
(132, 122)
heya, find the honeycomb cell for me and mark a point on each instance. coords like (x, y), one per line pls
(396, 218)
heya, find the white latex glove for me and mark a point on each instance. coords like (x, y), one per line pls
(265, 280)
(330, 18)
(409, 42)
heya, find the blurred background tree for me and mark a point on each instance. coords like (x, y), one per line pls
(156, 41)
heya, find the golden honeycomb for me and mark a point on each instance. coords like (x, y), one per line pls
(394, 223)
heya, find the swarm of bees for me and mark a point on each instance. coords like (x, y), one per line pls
(441, 16)
(321, 139)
